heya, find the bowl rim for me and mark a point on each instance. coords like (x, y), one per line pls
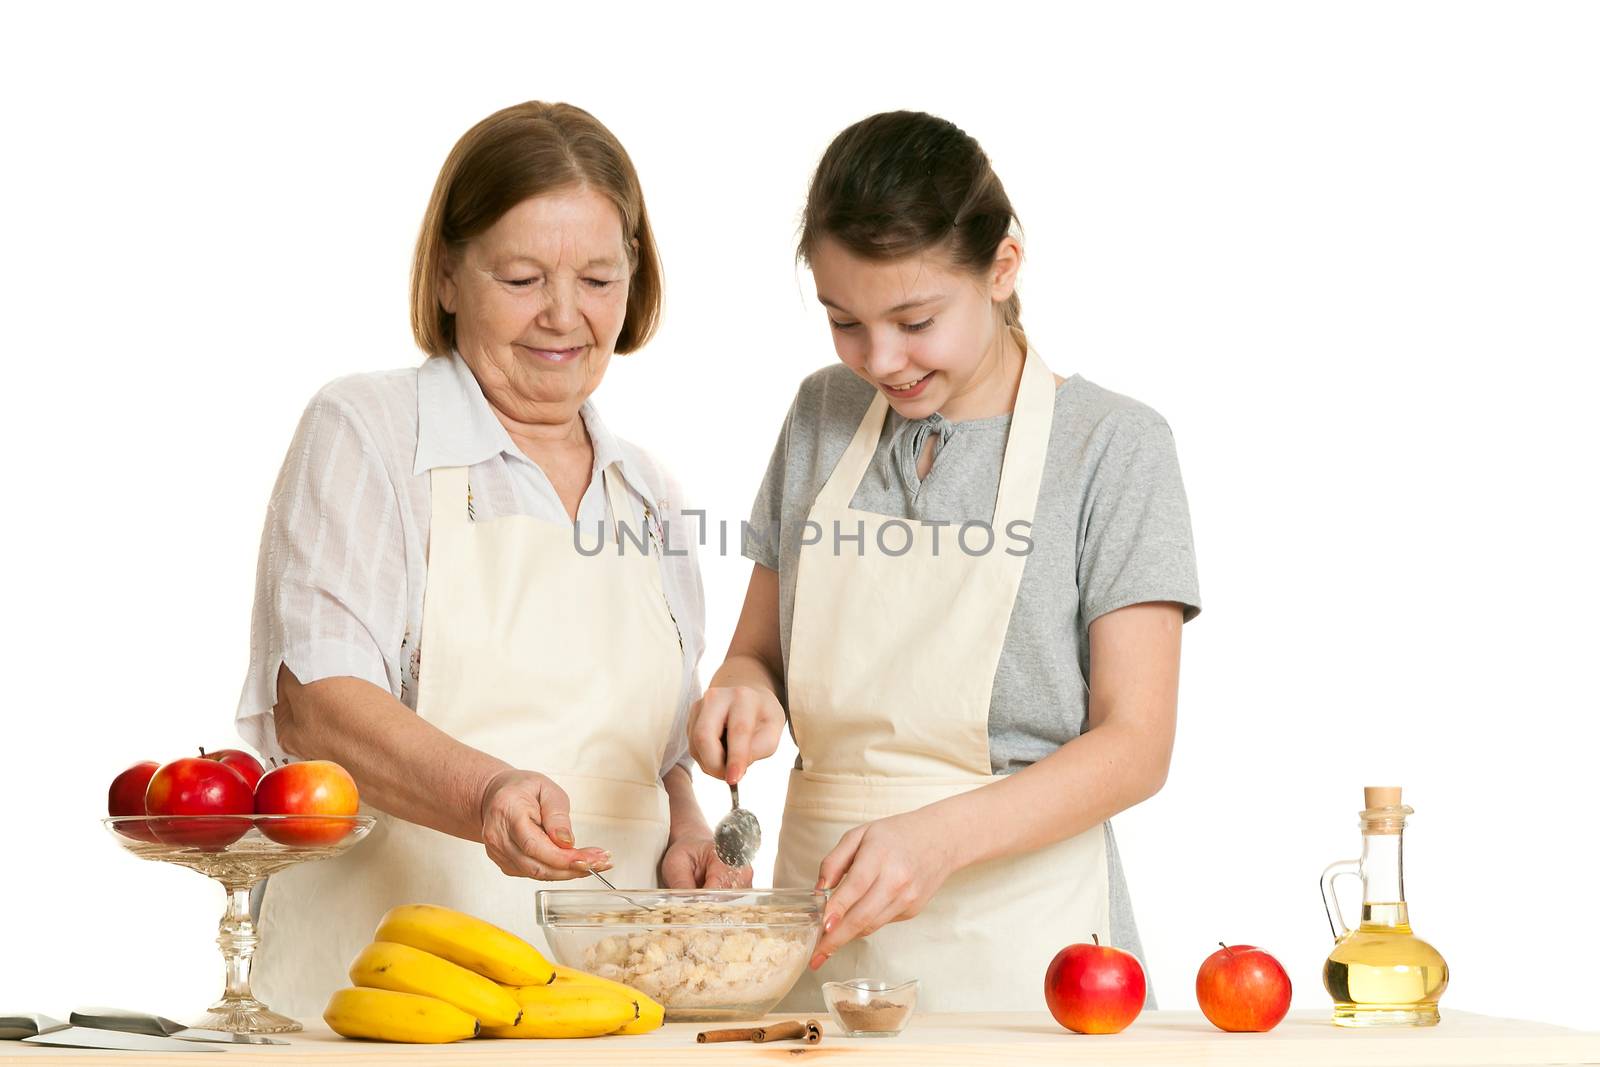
(869, 985)
(550, 904)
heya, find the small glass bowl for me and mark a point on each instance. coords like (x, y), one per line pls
(862, 1008)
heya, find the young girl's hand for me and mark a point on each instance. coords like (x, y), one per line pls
(884, 871)
(733, 726)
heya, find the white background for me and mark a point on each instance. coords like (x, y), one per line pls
(1348, 250)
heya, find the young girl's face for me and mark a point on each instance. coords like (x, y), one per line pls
(923, 331)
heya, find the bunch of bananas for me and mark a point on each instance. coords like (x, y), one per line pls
(433, 975)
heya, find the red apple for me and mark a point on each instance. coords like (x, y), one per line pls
(1094, 989)
(248, 766)
(192, 786)
(126, 797)
(1242, 989)
(313, 787)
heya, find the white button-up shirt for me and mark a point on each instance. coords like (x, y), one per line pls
(344, 556)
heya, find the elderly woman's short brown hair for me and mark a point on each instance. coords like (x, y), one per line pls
(524, 151)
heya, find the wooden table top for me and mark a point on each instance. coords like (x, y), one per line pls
(1306, 1039)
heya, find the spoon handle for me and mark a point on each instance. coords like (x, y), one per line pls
(607, 883)
(733, 788)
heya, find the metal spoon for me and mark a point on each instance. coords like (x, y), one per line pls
(738, 836)
(607, 883)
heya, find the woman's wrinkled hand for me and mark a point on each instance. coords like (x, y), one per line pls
(527, 830)
(691, 863)
(882, 872)
(750, 720)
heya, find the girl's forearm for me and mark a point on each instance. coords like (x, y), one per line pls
(1082, 784)
(748, 670)
(1120, 759)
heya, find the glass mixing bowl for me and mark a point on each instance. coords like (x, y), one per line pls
(707, 955)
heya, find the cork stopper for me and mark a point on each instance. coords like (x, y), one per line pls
(1382, 796)
(1384, 813)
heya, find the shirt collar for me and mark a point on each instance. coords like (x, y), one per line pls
(457, 428)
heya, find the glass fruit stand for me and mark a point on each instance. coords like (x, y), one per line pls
(239, 851)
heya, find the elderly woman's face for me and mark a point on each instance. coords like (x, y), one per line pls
(539, 299)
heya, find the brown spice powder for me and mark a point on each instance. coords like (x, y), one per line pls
(876, 1016)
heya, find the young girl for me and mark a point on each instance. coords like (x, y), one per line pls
(970, 577)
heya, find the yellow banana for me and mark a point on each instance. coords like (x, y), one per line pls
(568, 1011)
(650, 1012)
(468, 942)
(384, 1015)
(389, 965)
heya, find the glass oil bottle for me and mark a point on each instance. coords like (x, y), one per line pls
(1380, 973)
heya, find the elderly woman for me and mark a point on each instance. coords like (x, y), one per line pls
(427, 614)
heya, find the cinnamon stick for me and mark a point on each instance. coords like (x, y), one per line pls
(712, 1037)
(807, 1031)
(781, 1031)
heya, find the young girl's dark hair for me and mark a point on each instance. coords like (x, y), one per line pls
(904, 182)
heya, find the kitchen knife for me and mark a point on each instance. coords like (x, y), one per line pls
(88, 1037)
(18, 1025)
(139, 1022)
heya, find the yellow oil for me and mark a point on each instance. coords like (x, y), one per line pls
(1381, 974)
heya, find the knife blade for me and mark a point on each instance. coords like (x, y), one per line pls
(89, 1037)
(139, 1022)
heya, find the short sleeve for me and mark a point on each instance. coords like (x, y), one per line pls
(1137, 542)
(331, 575)
(760, 538)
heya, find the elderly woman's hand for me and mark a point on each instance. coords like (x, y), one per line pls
(691, 862)
(527, 830)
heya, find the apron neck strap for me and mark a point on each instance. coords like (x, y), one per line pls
(1027, 444)
(452, 496)
(852, 466)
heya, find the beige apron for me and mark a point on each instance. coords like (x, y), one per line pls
(891, 666)
(536, 654)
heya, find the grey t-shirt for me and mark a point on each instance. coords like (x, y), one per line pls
(1111, 528)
